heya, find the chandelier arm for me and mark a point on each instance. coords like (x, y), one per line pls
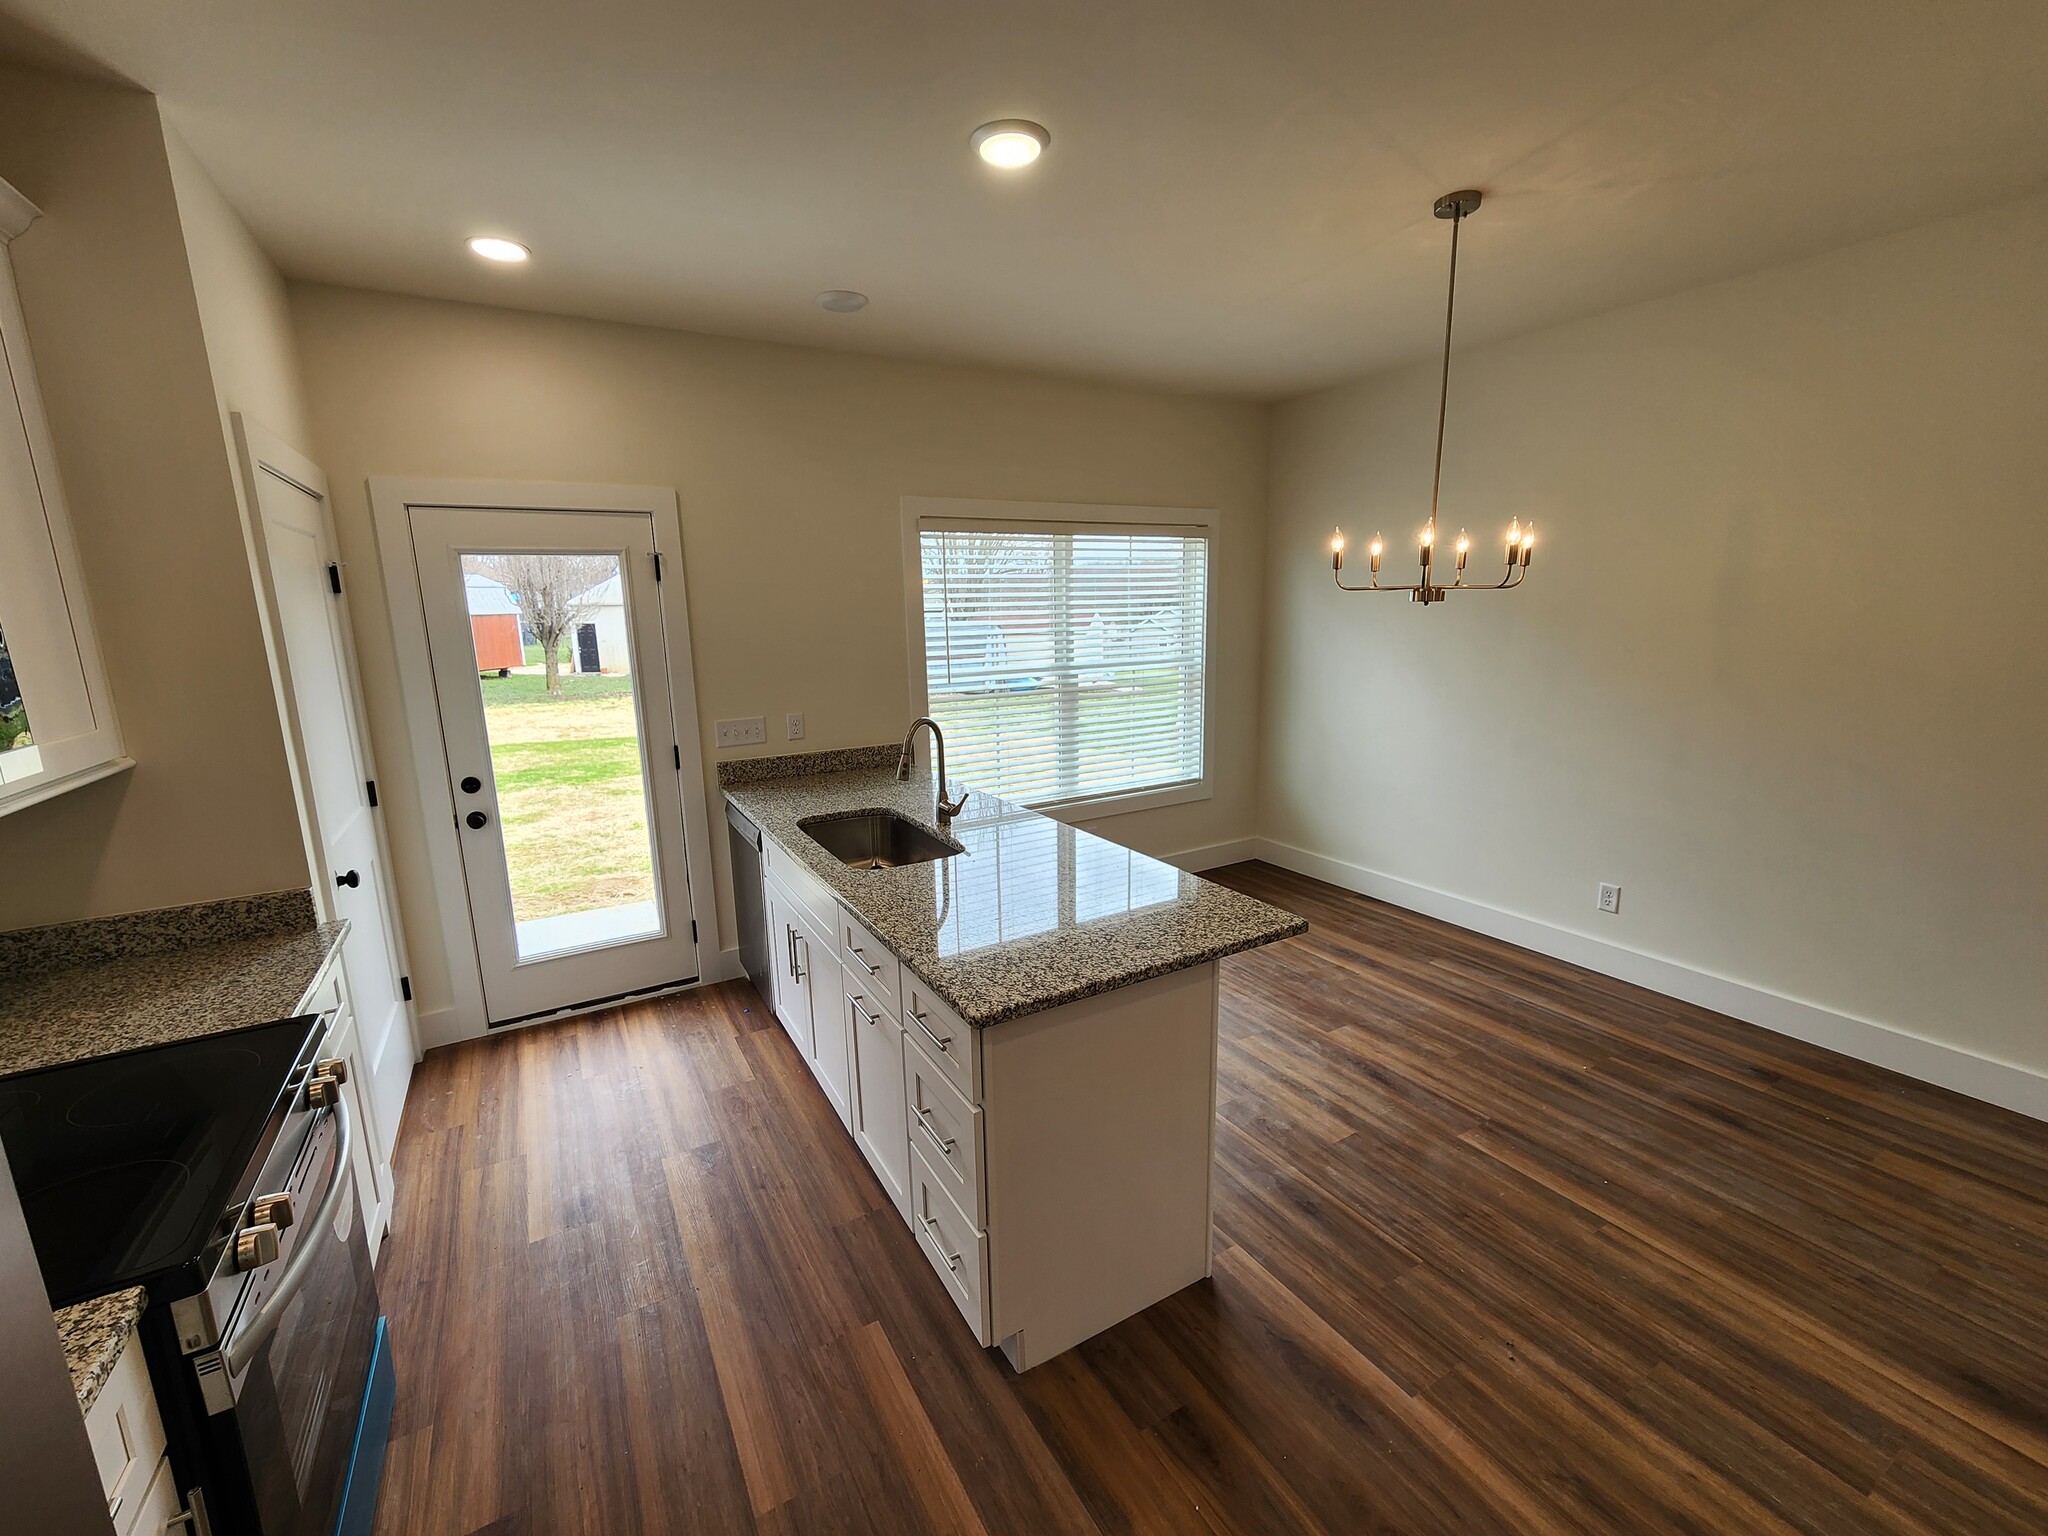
(1344, 586)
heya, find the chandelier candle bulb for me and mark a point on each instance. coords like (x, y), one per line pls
(1464, 548)
(1337, 549)
(1377, 549)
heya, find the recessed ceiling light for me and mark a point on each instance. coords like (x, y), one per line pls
(491, 248)
(842, 301)
(1009, 143)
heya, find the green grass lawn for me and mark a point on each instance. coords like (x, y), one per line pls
(571, 798)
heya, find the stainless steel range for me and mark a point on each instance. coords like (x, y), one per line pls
(215, 1172)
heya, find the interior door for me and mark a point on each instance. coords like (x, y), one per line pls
(300, 572)
(567, 802)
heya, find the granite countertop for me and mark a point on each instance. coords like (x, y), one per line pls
(122, 1003)
(1032, 914)
(94, 1334)
(113, 984)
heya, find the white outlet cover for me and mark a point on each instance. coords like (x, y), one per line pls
(795, 723)
(1610, 897)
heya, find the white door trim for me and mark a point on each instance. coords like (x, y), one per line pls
(391, 502)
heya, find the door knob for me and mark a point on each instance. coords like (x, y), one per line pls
(472, 784)
(351, 879)
(476, 819)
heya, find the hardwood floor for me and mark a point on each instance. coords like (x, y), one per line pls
(1502, 1246)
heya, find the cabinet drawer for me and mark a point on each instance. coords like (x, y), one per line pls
(805, 889)
(956, 1249)
(943, 1126)
(953, 1046)
(126, 1435)
(869, 962)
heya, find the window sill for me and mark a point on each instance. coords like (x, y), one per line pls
(1101, 807)
(33, 791)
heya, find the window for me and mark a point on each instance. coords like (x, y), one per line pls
(1067, 661)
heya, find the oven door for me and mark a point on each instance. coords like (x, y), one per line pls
(295, 1358)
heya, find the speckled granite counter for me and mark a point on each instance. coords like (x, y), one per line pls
(150, 985)
(1032, 914)
(94, 1334)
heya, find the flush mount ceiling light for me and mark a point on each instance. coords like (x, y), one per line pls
(1009, 143)
(491, 248)
(1521, 541)
(842, 301)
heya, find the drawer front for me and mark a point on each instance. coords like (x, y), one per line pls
(869, 962)
(805, 889)
(943, 1126)
(938, 1029)
(126, 1435)
(956, 1249)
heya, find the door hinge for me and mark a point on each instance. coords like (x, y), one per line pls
(679, 758)
(334, 577)
(405, 988)
(657, 565)
(693, 930)
(372, 783)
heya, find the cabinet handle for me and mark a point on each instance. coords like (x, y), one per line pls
(939, 1242)
(943, 1042)
(870, 1019)
(796, 970)
(944, 1143)
(801, 965)
(862, 955)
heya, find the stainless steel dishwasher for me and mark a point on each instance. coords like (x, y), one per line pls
(750, 909)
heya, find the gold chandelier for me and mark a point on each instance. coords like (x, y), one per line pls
(1521, 541)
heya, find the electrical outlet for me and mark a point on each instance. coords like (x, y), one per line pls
(796, 726)
(750, 732)
(1610, 897)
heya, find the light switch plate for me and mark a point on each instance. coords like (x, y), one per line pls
(750, 732)
(796, 726)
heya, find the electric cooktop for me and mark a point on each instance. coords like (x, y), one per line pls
(127, 1165)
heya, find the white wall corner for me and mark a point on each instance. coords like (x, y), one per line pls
(2002, 1083)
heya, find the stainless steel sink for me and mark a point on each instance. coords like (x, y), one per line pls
(876, 840)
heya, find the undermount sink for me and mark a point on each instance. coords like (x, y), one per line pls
(876, 840)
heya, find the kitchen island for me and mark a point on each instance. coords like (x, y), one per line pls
(1018, 1027)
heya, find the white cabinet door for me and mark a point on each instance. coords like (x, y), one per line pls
(792, 996)
(878, 1108)
(832, 1042)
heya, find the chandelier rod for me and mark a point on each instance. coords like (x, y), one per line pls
(1443, 396)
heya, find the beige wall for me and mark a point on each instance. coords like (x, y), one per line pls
(243, 312)
(207, 811)
(1779, 666)
(789, 464)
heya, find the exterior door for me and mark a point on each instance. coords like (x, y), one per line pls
(565, 784)
(321, 700)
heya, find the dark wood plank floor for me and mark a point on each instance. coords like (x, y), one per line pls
(1503, 1247)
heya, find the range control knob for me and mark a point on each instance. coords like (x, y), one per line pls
(322, 1091)
(276, 1210)
(255, 1247)
(335, 1067)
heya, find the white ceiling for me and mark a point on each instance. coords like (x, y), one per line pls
(1237, 194)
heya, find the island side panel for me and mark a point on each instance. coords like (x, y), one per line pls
(1099, 1126)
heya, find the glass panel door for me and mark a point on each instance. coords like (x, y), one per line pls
(565, 748)
(550, 672)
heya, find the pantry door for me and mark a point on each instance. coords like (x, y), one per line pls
(566, 784)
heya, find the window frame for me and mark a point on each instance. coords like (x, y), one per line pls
(947, 512)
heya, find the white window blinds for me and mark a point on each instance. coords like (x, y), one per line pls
(1067, 665)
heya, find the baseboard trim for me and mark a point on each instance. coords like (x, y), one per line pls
(1213, 855)
(2002, 1083)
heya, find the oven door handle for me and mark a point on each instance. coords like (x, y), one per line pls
(305, 1253)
